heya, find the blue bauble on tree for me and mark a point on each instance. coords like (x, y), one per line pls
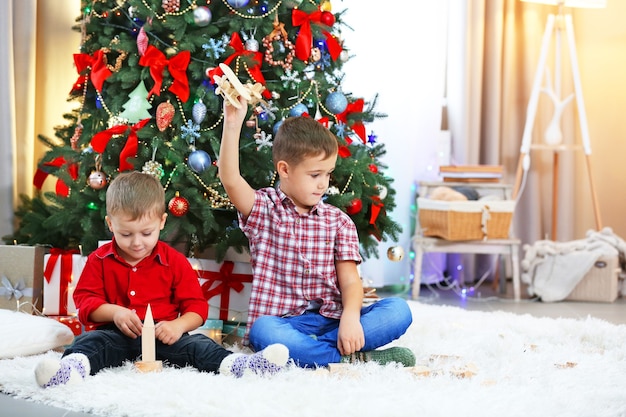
(277, 126)
(199, 161)
(336, 102)
(298, 110)
(238, 3)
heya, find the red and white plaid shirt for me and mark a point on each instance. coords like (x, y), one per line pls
(293, 256)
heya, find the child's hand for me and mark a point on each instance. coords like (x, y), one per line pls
(128, 322)
(235, 116)
(350, 336)
(168, 332)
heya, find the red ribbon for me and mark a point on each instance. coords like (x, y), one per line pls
(229, 281)
(357, 127)
(177, 67)
(61, 188)
(65, 274)
(376, 208)
(254, 70)
(100, 140)
(304, 41)
(99, 70)
(344, 152)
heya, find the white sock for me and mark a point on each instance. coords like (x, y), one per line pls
(265, 362)
(71, 369)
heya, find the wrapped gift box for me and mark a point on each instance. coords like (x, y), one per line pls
(226, 287)
(61, 273)
(72, 322)
(21, 277)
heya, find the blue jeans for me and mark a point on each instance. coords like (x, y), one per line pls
(312, 338)
(108, 347)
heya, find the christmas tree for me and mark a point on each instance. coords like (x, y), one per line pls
(146, 94)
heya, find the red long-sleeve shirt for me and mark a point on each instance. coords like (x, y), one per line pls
(165, 280)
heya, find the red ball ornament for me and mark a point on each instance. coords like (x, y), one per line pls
(373, 168)
(354, 207)
(327, 18)
(178, 205)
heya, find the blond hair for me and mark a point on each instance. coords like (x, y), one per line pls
(135, 194)
(301, 137)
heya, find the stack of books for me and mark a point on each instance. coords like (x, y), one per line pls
(471, 173)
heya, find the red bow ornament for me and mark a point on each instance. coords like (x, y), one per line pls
(100, 140)
(61, 188)
(254, 70)
(357, 127)
(304, 41)
(99, 70)
(177, 67)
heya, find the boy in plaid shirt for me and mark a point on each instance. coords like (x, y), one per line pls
(306, 293)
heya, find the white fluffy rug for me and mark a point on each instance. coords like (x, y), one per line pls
(470, 364)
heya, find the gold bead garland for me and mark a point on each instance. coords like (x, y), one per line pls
(180, 107)
(215, 199)
(247, 16)
(105, 14)
(104, 105)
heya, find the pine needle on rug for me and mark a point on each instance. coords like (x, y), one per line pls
(469, 363)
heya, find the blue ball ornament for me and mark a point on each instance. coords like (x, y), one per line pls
(298, 110)
(238, 3)
(336, 102)
(199, 161)
(277, 126)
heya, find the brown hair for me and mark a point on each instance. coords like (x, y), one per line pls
(135, 194)
(301, 137)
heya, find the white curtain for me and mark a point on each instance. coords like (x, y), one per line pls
(498, 45)
(17, 73)
(36, 72)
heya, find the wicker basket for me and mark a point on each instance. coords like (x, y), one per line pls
(465, 220)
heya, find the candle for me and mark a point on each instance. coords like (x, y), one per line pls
(148, 349)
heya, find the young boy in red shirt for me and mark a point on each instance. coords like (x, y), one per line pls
(123, 277)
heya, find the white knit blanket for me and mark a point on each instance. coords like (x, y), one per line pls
(553, 269)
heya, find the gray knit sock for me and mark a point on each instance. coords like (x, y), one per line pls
(403, 356)
(264, 362)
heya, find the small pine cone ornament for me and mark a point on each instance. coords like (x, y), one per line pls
(198, 112)
(171, 6)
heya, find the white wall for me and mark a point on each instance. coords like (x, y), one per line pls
(399, 53)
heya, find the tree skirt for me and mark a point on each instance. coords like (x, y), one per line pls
(469, 363)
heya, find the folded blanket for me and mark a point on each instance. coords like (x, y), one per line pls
(553, 269)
